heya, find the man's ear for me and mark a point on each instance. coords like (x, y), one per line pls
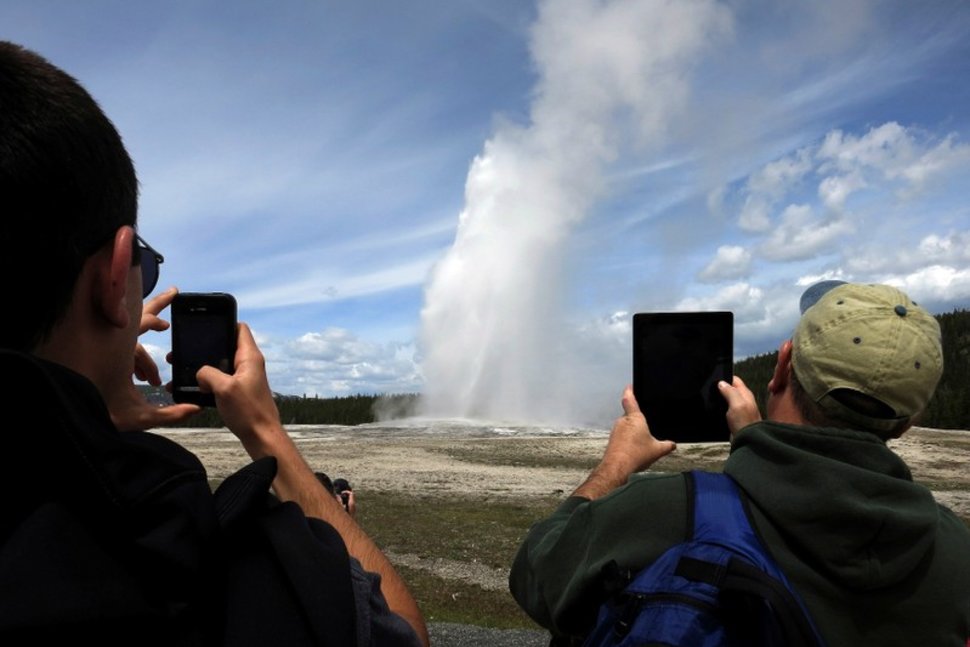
(781, 376)
(113, 292)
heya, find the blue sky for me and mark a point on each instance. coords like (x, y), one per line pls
(602, 158)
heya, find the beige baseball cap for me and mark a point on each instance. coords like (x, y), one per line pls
(872, 339)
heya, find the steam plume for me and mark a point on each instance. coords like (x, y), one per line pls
(494, 336)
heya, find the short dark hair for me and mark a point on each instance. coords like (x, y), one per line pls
(814, 415)
(325, 481)
(66, 185)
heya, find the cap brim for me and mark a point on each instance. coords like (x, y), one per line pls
(815, 292)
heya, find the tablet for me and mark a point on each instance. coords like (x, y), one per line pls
(678, 359)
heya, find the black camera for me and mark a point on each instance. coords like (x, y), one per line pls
(342, 487)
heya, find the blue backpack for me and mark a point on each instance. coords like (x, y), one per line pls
(721, 587)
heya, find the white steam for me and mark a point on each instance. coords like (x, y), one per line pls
(495, 340)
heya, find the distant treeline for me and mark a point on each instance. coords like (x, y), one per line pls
(348, 410)
(949, 408)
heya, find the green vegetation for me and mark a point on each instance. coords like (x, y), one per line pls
(950, 406)
(446, 600)
(348, 410)
(486, 453)
(466, 530)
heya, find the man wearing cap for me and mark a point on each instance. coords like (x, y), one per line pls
(875, 559)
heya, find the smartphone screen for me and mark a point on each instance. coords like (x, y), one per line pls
(678, 359)
(203, 334)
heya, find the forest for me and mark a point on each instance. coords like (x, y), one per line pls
(949, 409)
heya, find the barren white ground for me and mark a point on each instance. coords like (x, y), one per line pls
(497, 467)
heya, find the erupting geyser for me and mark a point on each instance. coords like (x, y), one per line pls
(494, 335)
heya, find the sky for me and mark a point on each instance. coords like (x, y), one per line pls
(472, 198)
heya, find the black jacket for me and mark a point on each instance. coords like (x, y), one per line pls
(117, 537)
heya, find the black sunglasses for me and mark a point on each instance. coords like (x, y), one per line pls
(150, 260)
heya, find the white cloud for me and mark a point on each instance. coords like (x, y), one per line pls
(777, 178)
(886, 159)
(934, 284)
(890, 154)
(336, 362)
(835, 190)
(883, 147)
(951, 249)
(328, 363)
(744, 299)
(756, 214)
(890, 163)
(811, 279)
(730, 262)
(768, 185)
(946, 156)
(801, 235)
(158, 354)
(333, 345)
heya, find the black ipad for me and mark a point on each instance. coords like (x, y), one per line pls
(678, 359)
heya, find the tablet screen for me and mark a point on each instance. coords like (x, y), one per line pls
(678, 359)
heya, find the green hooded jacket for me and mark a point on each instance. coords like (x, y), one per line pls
(875, 558)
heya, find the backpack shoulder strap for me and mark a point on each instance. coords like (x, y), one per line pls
(720, 518)
(719, 515)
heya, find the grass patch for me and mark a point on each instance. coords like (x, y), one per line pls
(462, 529)
(512, 454)
(530, 453)
(446, 600)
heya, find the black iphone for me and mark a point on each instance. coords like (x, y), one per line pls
(203, 334)
(678, 359)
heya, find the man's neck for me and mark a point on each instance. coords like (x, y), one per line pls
(83, 351)
(781, 408)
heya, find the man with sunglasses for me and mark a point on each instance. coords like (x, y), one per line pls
(109, 533)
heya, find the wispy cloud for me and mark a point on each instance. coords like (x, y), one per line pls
(336, 283)
(730, 262)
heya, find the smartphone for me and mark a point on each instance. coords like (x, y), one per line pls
(203, 334)
(678, 359)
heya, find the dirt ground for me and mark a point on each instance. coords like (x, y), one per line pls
(524, 466)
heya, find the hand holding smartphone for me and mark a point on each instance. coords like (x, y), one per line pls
(203, 334)
(678, 359)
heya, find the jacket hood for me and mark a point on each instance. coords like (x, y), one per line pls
(842, 498)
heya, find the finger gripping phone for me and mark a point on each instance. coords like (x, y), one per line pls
(203, 334)
(678, 359)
